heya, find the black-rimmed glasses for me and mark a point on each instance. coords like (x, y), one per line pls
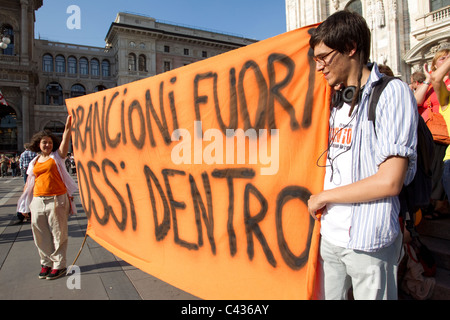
(321, 59)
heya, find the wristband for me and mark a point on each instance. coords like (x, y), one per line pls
(426, 82)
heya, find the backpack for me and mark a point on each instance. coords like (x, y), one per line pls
(415, 195)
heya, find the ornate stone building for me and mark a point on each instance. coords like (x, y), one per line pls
(18, 71)
(405, 34)
(36, 76)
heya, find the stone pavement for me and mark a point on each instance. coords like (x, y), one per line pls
(101, 276)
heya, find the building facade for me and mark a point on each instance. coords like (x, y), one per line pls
(143, 46)
(405, 34)
(18, 72)
(36, 76)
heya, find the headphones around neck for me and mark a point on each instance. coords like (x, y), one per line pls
(344, 95)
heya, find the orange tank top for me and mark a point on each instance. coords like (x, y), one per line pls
(48, 181)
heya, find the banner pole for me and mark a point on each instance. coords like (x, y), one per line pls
(79, 252)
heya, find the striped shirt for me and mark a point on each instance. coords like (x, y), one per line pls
(375, 224)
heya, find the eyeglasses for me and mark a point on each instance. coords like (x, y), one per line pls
(321, 59)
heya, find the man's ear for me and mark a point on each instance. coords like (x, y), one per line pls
(352, 51)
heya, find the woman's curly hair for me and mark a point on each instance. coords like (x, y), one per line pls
(37, 137)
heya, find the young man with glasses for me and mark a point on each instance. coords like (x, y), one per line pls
(359, 207)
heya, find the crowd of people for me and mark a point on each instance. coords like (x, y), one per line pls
(429, 103)
(13, 166)
(17, 166)
(441, 86)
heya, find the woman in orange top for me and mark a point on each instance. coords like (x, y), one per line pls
(47, 195)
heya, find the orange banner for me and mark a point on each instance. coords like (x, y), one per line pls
(200, 176)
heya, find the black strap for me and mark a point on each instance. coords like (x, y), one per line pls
(377, 88)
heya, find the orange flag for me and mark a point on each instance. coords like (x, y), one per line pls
(200, 176)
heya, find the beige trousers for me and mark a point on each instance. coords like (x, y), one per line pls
(49, 217)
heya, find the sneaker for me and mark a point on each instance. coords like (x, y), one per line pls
(56, 273)
(44, 272)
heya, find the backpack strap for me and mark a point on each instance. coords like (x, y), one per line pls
(377, 88)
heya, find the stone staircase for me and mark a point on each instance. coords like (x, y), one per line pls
(435, 234)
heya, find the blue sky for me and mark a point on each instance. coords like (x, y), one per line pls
(255, 19)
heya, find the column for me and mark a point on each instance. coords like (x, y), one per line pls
(26, 113)
(24, 32)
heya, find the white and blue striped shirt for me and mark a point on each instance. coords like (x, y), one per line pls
(375, 224)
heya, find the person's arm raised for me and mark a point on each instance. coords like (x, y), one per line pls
(439, 86)
(421, 91)
(65, 142)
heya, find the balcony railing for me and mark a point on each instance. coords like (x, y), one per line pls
(440, 14)
(431, 22)
(9, 59)
(436, 16)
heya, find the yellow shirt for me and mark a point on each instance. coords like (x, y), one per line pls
(446, 114)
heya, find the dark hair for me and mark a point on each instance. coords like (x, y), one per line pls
(37, 137)
(386, 70)
(344, 31)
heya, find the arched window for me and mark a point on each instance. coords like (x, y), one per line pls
(142, 63)
(95, 68)
(60, 64)
(99, 88)
(54, 94)
(106, 72)
(47, 63)
(77, 90)
(84, 66)
(8, 32)
(72, 65)
(131, 62)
